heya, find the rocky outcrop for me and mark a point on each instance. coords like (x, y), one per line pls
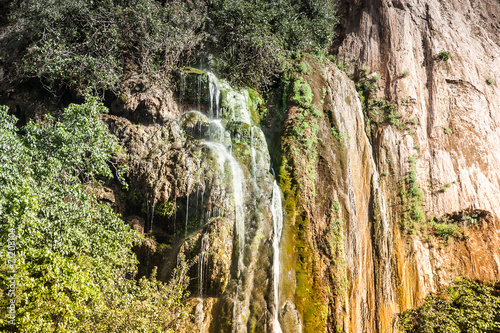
(455, 144)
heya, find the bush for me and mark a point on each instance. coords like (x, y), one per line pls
(94, 43)
(251, 40)
(467, 307)
(444, 55)
(91, 43)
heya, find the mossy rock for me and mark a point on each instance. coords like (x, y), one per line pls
(240, 131)
(191, 70)
(194, 124)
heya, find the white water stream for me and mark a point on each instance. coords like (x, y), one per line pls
(247, 189)
(277, 209)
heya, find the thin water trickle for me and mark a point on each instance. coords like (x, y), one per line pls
(202, 262)
(187, 202)
(252, 145)
(277, 210)
(214, 91)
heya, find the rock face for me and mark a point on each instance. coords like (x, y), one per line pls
(356, 249)
(455, 144)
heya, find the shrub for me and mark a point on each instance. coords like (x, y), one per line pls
(466, 307)
(90, 43)
(93, 43)
(448, 131)
(444, 55)
(446, 231)
(489, 81)
(302, 93)
(252, 39)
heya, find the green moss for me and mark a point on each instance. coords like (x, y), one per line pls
(258, 110)
(308, 299)
(191, 70)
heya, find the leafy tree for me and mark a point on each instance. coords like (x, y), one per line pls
(252, 39)
(74, 259)
(91, 44)
(97, 43)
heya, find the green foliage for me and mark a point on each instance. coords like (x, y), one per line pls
(303, 67)
(73, 254)
(446, 231)
(94, 43)
(449, 227)
(489, 81)
(304, 132)
(405, 73)
(375, 110)
(336, 206)
(339, 136)
(444, 55)
(444, 188)
(466, 307)
(302, 93)
(166, 208)
(83, 43)
(448, 131)
(411, 199)
(252, 39)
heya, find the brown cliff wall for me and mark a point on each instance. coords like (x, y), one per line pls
(457, 140)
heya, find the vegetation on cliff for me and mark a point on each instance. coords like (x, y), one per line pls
(466, 306)
(96, 44)
(69, 266)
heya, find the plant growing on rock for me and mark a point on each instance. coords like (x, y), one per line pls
(302, 93)
(444, 55)
(466, 306)
(411, 199)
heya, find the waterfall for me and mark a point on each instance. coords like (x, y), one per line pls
(187, 203)
(202, 262)
(240, 156)
(214, 91)
(277, 209)
(237, 182)
(252, 145)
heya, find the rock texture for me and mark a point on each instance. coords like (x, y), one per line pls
(457, 140)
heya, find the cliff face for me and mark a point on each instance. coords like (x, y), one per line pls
(455, 143)
(356, 247)
(337, 271)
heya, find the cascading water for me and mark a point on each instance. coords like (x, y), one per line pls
(239, 149)
(237, 184)
(277, 209)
